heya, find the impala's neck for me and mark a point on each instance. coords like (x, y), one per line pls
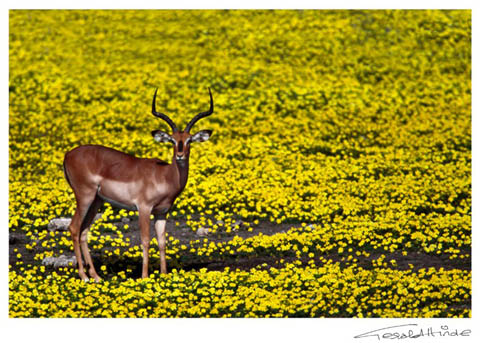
(182, 169)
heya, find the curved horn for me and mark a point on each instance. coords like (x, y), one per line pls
(161, 115)
(201, 115)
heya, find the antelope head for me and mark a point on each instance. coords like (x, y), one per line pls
(181, 139)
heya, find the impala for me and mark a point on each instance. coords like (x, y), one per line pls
(98, 174)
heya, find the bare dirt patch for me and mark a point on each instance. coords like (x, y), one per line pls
(413, 261)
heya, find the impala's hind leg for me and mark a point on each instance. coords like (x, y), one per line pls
(84, 228)
(84, 200)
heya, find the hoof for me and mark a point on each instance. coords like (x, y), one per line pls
(95, 276)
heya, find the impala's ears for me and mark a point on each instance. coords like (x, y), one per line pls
(201, 136)
(162, 137)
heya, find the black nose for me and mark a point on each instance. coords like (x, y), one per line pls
(180, 146)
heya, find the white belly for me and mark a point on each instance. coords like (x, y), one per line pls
(119, 194)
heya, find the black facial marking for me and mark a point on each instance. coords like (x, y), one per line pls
(180, 146)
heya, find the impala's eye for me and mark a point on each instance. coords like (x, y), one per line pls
(180, 146)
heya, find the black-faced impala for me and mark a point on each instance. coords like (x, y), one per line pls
(98, 174)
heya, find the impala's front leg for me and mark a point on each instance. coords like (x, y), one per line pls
(162, 242)
(144, 222)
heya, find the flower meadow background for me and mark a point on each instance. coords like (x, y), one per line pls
(337, 182)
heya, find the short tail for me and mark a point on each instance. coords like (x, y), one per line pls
(66, 174)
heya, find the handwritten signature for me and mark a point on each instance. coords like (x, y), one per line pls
(394, 332)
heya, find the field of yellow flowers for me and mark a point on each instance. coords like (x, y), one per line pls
(337, 182)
